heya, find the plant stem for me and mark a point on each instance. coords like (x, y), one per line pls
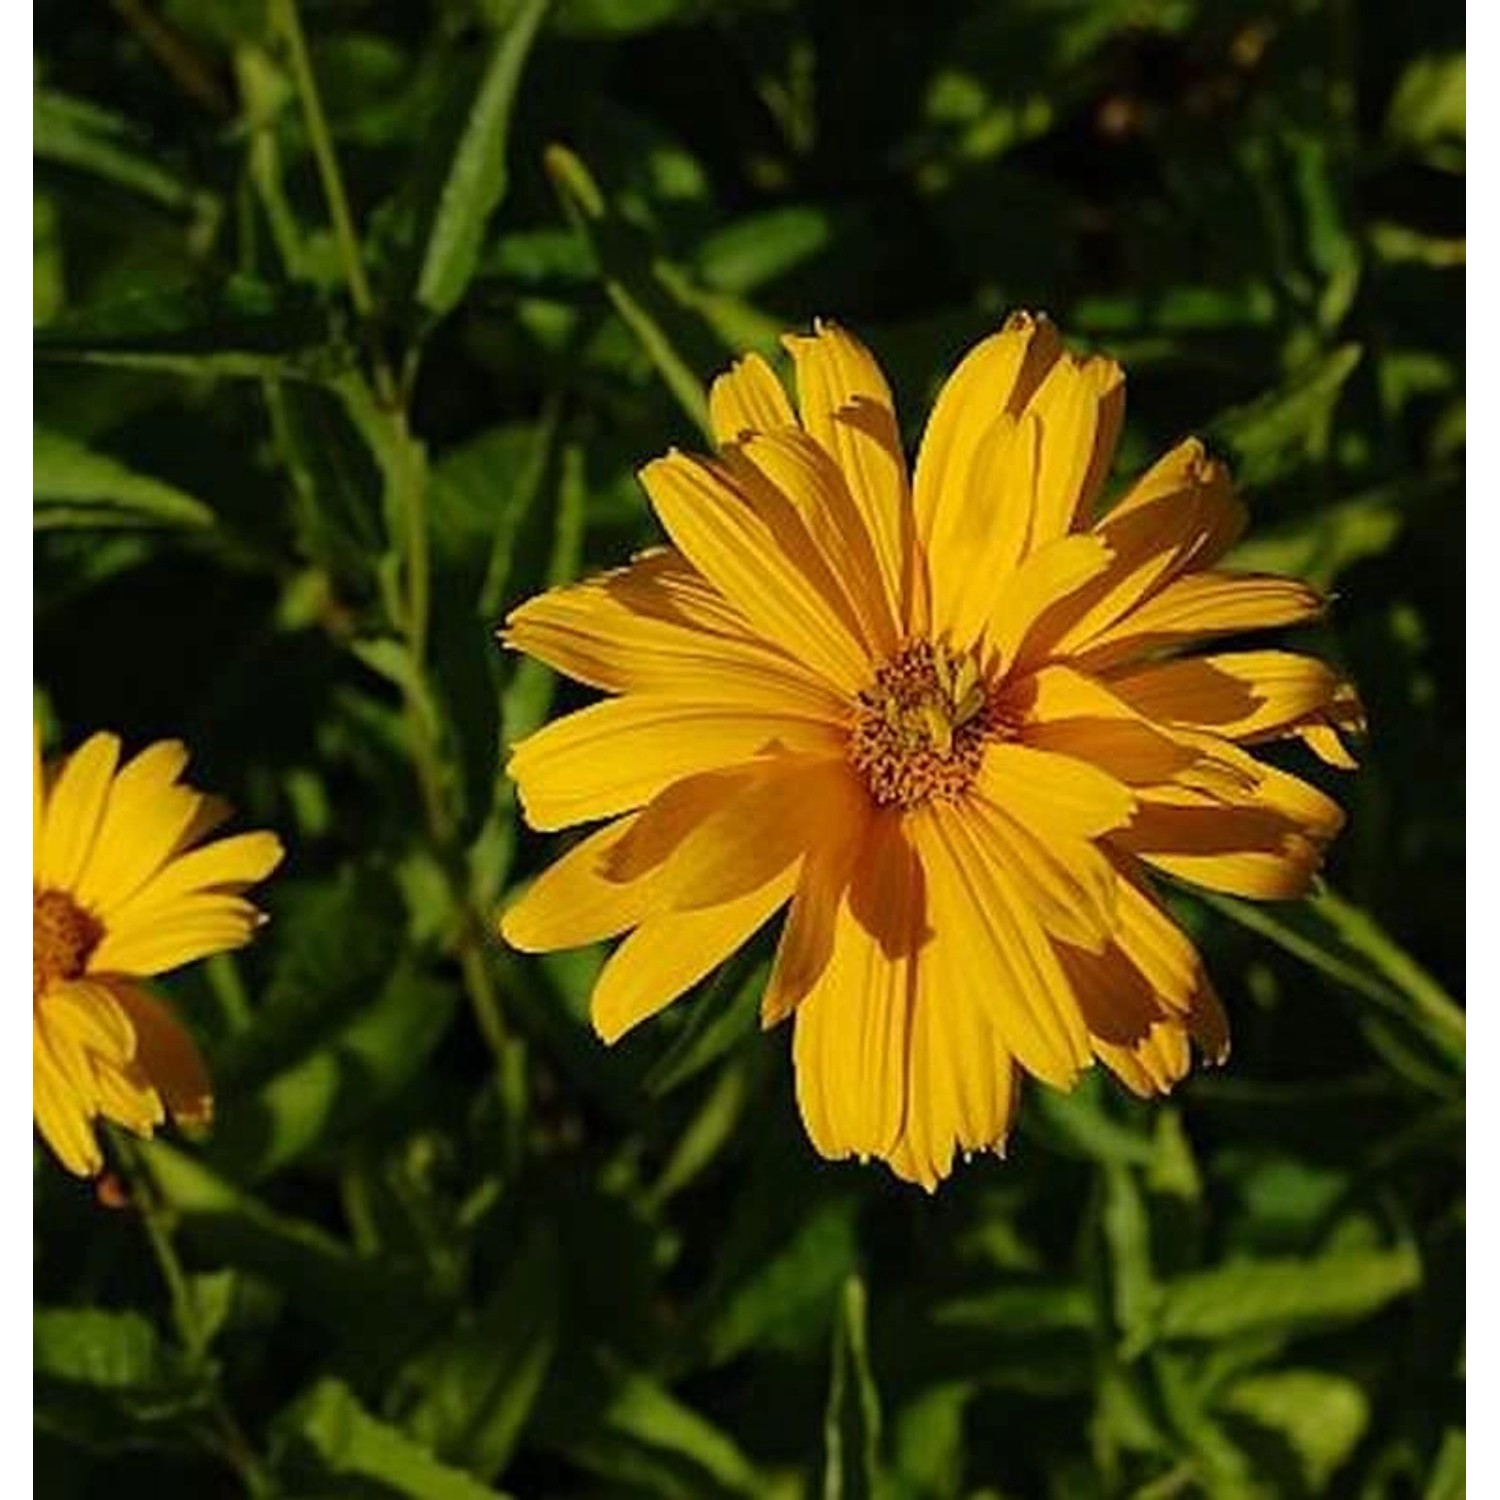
(232, 1445)
(320, 138)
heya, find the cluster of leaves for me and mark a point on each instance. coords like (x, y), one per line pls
(353, 324)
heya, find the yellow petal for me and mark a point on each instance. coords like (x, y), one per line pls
(1242, 695)
(615, 756)
(961, 1090)
(83, 1014)
(850, 1040)
(1081, 404)
(846, 407)
(1069, 713)
(126, 1096)
(998, 375)
(748, 397)
(1068, 882)
(1010, 966)
(1057, 794)
(74, 808)
(1204, 604)
(979, 536)
(168, 1056)
(573, 902)
(38, 798)
(672, 950)
(226, 866)
(1181, 514)
(1048, 575)
(763, 822)
(143, 821)
(788, 469)
(189, 929)
(62, 1115)
(638, 630)
(785, 596)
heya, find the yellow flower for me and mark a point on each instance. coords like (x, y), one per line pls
(948, 721)
(119, 892)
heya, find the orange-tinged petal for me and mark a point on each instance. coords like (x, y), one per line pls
(790, 468)
(1049, 574)
(961, 1088)
(1056, 794)
(615, 756)
(74, 807)
(624, 632)
(846, 407)
(785, 596)
(1081, 404)
(748, 397)
(1199, 605)
(981, 533)
(672, 950)
(978, 903)
(998, 375)
(1244, 695)
(573, 901)
(851, 1028)
(167, 1055)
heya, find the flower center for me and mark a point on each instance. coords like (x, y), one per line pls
(920, 730)
(62, 937)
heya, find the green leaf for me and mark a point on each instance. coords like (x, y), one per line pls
(1350, 947)
(477, 175)
(106, 1379)
(750, 251)
(1280, 432)
(241, 328)
(676, 344)
(1429, 106)
(75, 133)
(1243, 1296)
(1321, 1416)
(467, 1395)
(1447, 1480)
(851, 1423)
(328, 1431)
(622, 1424)
(74, 485)
(334, 1090)
(781, 1290)
(322, 1277)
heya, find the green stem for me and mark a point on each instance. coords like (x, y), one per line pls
(187, 1318)
(289, 23)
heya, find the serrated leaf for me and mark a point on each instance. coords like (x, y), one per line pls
(75, 485)
(344, 1441)
(477, 175)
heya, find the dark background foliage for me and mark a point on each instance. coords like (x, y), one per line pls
(287, 482)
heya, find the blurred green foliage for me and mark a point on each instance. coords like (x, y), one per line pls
(329, 379)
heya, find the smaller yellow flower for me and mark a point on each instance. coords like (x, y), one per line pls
(119, 893)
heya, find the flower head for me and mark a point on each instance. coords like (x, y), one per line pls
(123, 888)
(948, 720)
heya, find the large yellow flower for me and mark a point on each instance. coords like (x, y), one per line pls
(948, 720)
(119, 892)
